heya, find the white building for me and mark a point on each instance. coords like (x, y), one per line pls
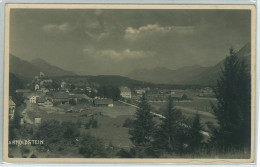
(62, 85)
(140, 91)
(33, 98)
(36, 87)
(42, 74)
(125, 92)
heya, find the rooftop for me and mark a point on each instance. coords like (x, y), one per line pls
(11, 102)
(60, 95)
(103, 101)
(125, 89)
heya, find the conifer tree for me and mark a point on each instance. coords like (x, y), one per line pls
(143, 126)
(233, 110)
(195, 136)
(170, 135)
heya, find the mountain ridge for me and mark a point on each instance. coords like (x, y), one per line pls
(188, 75)
(30, 69)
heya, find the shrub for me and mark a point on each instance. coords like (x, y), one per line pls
(25, 150)
(72, 102)
(124, 154)
(91, 147)
(129, 123)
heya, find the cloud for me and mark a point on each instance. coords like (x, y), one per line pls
(151, 29)
(97, 36)
(117, 55)
(63, 28)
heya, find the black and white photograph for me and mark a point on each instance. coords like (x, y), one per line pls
(138, 82)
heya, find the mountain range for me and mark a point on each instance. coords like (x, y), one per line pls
(28, 69)
(189, 75)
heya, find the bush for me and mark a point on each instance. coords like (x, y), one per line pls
(124, 154)
(72, 102)
(78, 123)
(129, 123)
(92, 123)
(33, 156)
(25, 150)
(50, 131)
(70, 130)
(92, 147)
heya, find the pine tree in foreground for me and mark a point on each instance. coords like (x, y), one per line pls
(143, 128)
(195, 136)
(171, 135)
(233, 110)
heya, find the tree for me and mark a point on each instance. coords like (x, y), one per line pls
(144, 126)
(70, 130)
(91, 146)
(109, 91)
(194, 136)
(233, 110)
(50, 131)
(171, 133)
(72, 102)
(184, 97)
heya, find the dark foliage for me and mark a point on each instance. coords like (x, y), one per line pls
(70, 130)
(195, 136)
(129, 123)
(14, 84)
(109, 91)
(233, 110)
(123, 153)
(72, 102)
(92, 123)
(172, 132)
(50, 131)
(144, 126)
(92, 147)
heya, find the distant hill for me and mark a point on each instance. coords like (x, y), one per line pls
(30, 69)
(50, 69)
(163, 75)
(210, 76)
(188, 75)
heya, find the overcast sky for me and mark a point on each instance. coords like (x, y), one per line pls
(118, 41)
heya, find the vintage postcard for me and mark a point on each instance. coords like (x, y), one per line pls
(129, 83)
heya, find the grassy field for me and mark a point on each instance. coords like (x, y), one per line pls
(110, 120)
(199, 106)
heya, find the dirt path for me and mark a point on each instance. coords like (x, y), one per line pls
(25, 114)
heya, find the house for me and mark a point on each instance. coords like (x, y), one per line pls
(44, 90)
(33, 98)
(12, 106)
(103, 102)
(62, 85)
(61, 97)
(36, 87)
(45, 81)
(79, 97)
(42, 74)
(125, 92)
(140, 91)
(43, 101)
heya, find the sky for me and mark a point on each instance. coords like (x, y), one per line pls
(116, 42)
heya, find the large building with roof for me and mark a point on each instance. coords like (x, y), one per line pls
(103, 102)
(125, 92)
(61, 97)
